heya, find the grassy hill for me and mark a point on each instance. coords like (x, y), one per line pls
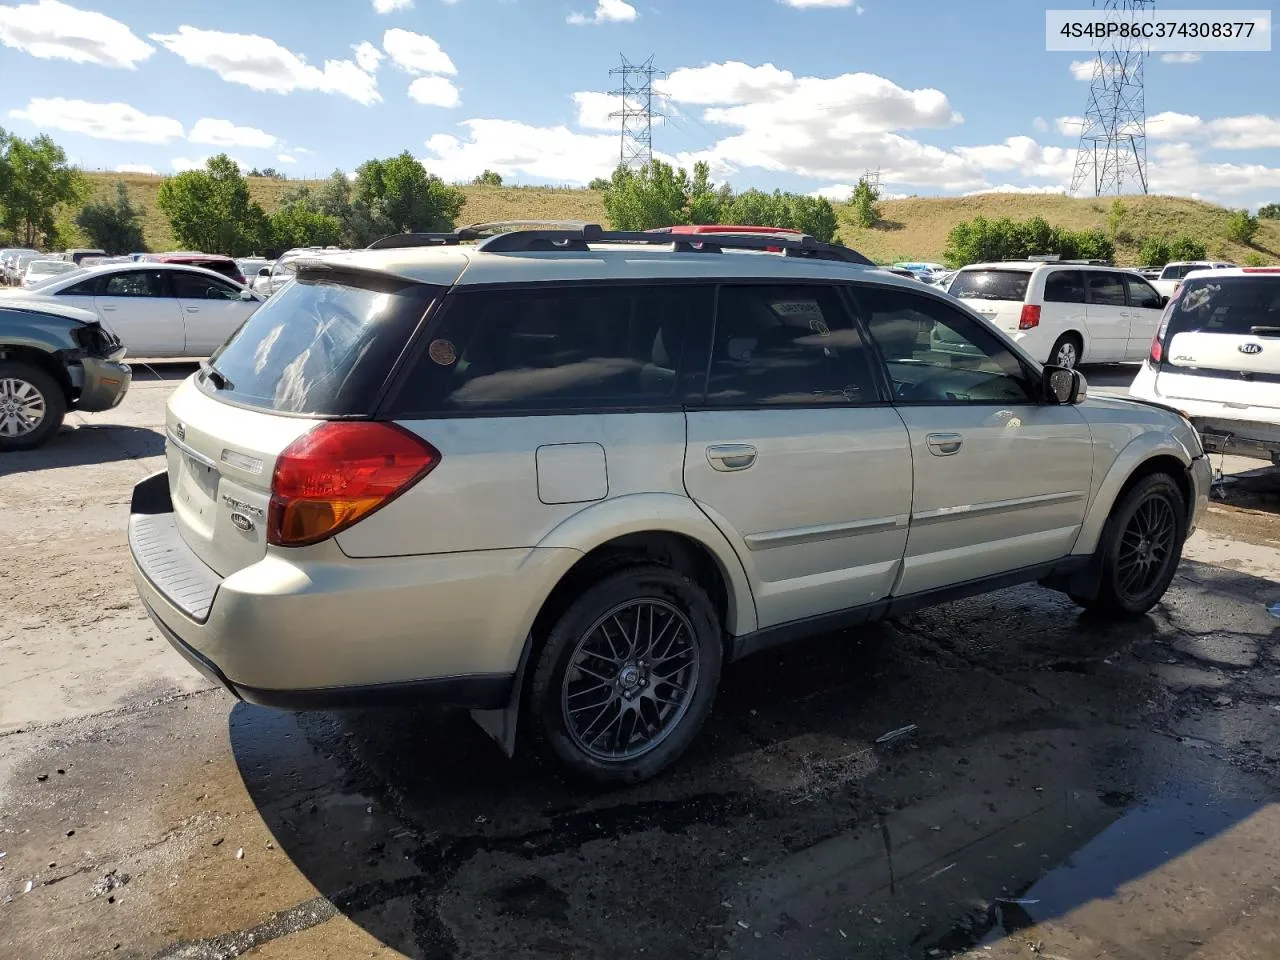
(911, 229)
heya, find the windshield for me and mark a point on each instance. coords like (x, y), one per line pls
(55, 270)
(1176, 271)
(1230, 305)
(990, 285)
(321, 347)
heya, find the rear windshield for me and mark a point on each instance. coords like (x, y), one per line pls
(320, 347)
(1178, 271)
(990, 285)
(1232, 305)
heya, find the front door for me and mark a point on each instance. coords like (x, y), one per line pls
(1001, 481)
(211, 310)
(1146, 306)
(1108, 312)
(796, 456)
(137, 305)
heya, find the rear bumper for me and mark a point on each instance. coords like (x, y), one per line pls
(314, 629)
(105, 384)
(1240, 438)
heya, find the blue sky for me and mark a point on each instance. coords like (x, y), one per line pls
(944, 97)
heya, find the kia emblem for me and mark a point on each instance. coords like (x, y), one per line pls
(1250, 348)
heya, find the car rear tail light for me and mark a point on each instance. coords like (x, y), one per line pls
(339, 473)
(1030, 318)
(1157, 343)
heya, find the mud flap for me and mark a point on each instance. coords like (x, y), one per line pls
(501, 724)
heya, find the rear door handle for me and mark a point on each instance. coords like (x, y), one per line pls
(944, 444)
(193, 309)
(728, 457)
(108, 308)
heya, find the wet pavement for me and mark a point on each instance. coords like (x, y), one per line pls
(1071, 789)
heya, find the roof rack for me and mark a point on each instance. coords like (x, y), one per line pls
(1055, 258)
(525, 236)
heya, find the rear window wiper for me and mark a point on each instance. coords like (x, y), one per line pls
(215, 376)
(1265, 331)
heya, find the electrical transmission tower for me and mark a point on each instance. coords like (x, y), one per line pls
(873, 178)
(1113, 144)
(636, 111)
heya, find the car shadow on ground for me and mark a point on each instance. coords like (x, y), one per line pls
(83, 445)
(1026, 731)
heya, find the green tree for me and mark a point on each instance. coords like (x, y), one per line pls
(1269, 211)
(113, 225)
(210, 210)
(865, 197)
(1115, 218)
(37, 179)
(1242, 227)
(397, 195)
(812, 215)
(299, 222)
(1186, 248)
(653, 196)
(755, 208)
(1154, 252)
(489, 178)
(598, 183)
(980, 240)
(1255, 259)
(705, 203)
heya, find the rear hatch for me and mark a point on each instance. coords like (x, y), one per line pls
(323, 349)
(1221, 343)
(997, 293)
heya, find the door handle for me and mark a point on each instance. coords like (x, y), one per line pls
(193, 309)
(728, 457)
(944, 444)
(108, 308)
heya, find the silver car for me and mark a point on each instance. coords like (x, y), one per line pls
(564, 476)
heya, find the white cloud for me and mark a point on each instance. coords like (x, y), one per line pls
(802, 4)
(839, 192)
(1069, 126)
(1040, 125)
(367, 56)
(594, 109)
(509, 147)
(1184, 57)
(136, 168)
(1083, 69)
(1179, 168)
(183, 164)
(224, 133)
(726, 83)
(286, 158)
(52, 30)
(262, 64)
(1024, 155)
(301, 150)
(434, 92)
(1255, 132)
(1173, 126)
(105, 121)
(606, 11)
(416, 52)
(390, 6)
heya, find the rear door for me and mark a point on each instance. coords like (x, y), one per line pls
(1146, 306)
(1223, 344)
(138, 306)
(796, 455)
(1000, 480)
(1108, 313)
(211, 308)
(1064, 310)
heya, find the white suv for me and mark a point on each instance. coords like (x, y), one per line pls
(1216, 358)
(1065, 312)
(564, 476)
(1172, 274)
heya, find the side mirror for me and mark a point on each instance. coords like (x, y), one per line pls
(1062, 386)
(264, 272)
(247, 295)
(1164, 302)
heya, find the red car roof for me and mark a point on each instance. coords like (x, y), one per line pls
(724, 228)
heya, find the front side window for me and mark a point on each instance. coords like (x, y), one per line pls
(135, 283)
(563, 347)
(1142, 295)
(195, 286)
(937, 354)
(1105, 289)
(787, 345)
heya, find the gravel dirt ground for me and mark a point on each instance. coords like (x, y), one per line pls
(1071, 789)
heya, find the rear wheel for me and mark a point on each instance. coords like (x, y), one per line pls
(627, 675)
(1140, 548)
(32, 406)
(1066, 351)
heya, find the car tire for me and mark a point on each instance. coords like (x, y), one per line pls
(29, 387)
(1067, 351)
(1150, 521)
(594, 685)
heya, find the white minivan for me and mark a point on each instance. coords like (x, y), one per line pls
(1216, 359)
(1065, 312)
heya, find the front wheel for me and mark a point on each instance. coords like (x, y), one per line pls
(32, 406)
(627, 675)
(1140, 548)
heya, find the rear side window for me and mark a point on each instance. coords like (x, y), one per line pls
(785, 346)
(85, 288)
(1105, 289)
(1064, 286)
(1231, 305)
(324, 348)
(563, 347)
(990, 285)
(1142, 294)
(135, 283)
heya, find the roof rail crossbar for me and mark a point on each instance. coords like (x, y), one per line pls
(522, 241)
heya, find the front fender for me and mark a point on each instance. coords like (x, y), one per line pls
(1142, 448)
(658, 513)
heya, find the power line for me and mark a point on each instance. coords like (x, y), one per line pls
(1113, 144)
(636, 111)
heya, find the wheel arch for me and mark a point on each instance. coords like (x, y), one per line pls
(1143, 456)
(44, 361)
